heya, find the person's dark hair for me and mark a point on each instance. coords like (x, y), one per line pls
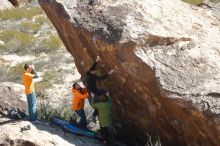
(26, 66)
(92, 69)
(74, 85)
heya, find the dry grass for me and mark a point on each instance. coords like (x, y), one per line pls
(20, 13)
(11, 74)
(196, 2)
(215, 1)
(30, 27)
(16, 41)
(53, 42)
(42, 20)
(47, 111)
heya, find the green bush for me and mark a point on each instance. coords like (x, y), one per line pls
(53, 42)
(30, 27)
(215, 1)
(15, 40)
(50, 44)
(49, 79)
(11, 74)
(196, 2)
(46, 111)
(20, 13)
(42, 20)
(4, 74)
(42, 86)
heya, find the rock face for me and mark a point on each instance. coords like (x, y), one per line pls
(4, 4)
(216, 9)
(166, 56)
(12, 96)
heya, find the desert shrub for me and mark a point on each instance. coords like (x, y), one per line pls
(19, 13)
(11, 74)
(53, 42)
(42, 86)
(50, 44)
(49, 79)
(3, 74)
(46, 111)
(16, 41)
(196, 2)
(30, 27)
(215, 1)
(42, 20)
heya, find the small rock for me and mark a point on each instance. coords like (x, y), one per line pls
(2, 43)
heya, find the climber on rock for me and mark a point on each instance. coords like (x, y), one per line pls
(28, 76)
(91, 80)
(104, 105)
(80, 94)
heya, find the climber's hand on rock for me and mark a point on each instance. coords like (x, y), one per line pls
(92, 94)
(111, 71)
(107, 93)
(98, 58)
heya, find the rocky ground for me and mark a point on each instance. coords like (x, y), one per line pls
(40, 134)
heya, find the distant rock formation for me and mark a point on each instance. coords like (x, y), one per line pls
(166, 55)
(5, 4)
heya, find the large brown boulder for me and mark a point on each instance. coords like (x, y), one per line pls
(167, 59)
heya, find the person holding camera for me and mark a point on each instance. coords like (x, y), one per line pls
(28, 76)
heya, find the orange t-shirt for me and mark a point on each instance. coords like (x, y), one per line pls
(79, 98)
(28, 82)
